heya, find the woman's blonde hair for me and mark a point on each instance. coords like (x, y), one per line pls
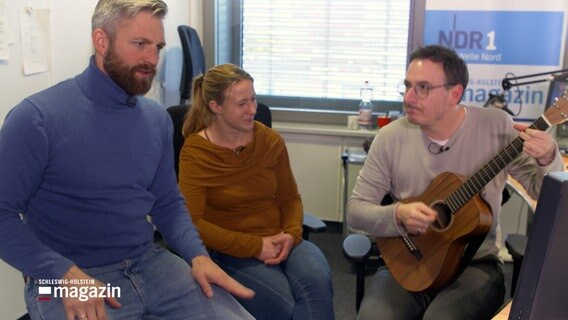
(214, 85)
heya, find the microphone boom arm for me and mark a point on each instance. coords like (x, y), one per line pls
(506, 82)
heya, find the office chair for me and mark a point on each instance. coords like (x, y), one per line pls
(193, 60)
(311, 223)
(359, 248)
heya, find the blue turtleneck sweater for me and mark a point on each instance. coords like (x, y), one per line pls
(86, 164)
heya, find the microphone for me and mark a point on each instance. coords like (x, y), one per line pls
(238, 150)
(131, 101)
(434, 148)
(498, 101)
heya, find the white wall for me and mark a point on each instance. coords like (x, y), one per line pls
(71, 49)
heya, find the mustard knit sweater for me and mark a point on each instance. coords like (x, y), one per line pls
(235, 200)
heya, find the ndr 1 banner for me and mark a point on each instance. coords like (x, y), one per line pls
(498, 42)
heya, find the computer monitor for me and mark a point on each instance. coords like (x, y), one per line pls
(543, 279)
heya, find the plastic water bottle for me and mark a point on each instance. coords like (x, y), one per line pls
(366, 107)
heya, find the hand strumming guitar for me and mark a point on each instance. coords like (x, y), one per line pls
(415, 217)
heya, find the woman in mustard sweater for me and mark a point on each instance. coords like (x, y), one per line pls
(239, 188)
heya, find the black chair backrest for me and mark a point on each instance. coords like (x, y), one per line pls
(193, 60)
(263, 114)
(177, 113)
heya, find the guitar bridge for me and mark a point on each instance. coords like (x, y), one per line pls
(412, 247)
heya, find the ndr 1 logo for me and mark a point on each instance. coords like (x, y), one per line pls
(473, 40)
(473, 45)
(499, 37)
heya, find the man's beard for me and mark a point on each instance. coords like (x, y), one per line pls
(125, 76)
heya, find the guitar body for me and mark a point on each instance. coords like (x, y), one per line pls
(442, 245)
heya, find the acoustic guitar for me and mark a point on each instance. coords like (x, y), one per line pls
(431, 260)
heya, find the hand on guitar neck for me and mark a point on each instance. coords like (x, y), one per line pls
(537, 144)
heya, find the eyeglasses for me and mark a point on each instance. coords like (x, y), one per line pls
(422, 89)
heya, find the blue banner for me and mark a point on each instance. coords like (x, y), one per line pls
(498, 37)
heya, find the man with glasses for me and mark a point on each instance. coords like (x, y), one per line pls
(437, 135)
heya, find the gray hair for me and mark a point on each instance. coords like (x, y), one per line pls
(108, 13)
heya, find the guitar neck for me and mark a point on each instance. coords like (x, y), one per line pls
(476, 182)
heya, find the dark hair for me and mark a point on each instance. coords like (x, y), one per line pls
(454, 67)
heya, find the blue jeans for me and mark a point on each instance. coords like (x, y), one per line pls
(476, 294)
(155, 285)
(298, 288)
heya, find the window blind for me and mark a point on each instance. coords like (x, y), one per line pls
(325, 49)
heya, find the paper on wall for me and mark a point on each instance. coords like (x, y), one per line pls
(35, 28)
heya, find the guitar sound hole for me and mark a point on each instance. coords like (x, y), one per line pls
(445, 216)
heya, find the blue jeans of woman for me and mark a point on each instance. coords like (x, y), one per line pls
(476, 294)
(298, 288)
(155, 285)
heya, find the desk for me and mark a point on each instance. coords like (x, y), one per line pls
(518, 186)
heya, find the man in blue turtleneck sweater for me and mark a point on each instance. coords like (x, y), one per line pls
(86, 162)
